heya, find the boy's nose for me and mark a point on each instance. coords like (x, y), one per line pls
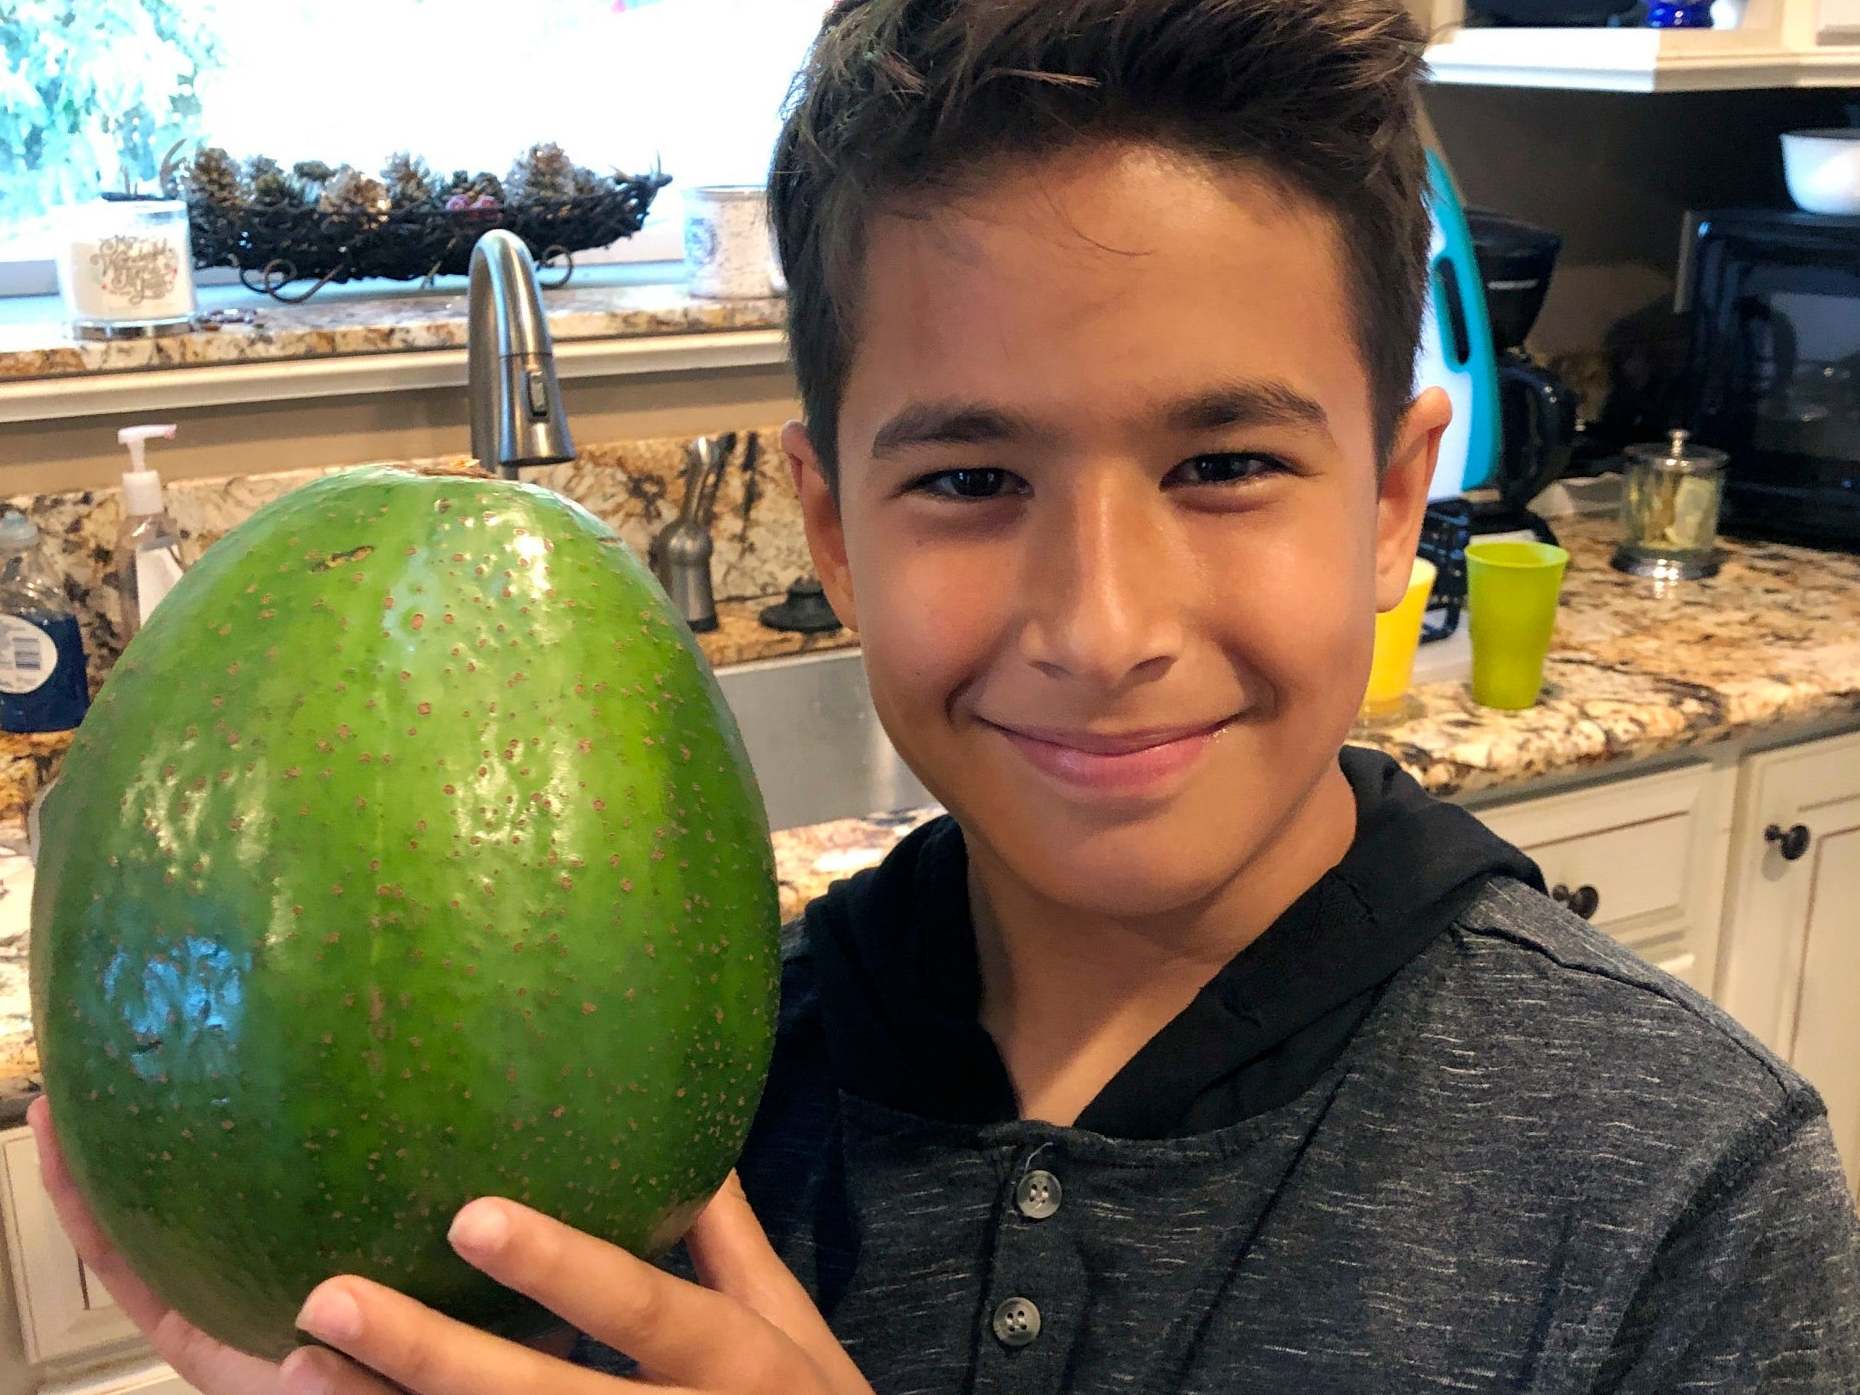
(1102, 587)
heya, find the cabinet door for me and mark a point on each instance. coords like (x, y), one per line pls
(63, 1310)
(1643, 858)
(1791, 969)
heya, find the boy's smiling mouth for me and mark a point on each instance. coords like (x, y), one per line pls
(1129, 762)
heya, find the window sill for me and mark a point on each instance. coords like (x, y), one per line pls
(368, 339)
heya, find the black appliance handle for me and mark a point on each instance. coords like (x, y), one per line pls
(1550, 431)
(1751, 312)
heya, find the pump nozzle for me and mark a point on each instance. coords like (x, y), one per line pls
(134, 436)
(141, 485)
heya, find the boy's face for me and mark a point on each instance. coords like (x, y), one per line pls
(1107, 478)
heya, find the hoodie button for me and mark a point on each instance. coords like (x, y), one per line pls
(1037, 1196)
(1017, 1322)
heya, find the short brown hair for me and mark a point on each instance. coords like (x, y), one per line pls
(903, 98)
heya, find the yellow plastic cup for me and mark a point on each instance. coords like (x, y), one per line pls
(1398, 635)
(1512, 590)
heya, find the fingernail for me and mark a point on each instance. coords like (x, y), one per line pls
(303, 1374)
(480, 1228)
(332, 1315)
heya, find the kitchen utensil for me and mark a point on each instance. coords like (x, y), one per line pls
(1398, 635)
(1455, 351)
(1822, 169)
(1671, 492)
(1512, 599)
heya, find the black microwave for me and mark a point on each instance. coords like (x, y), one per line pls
(1773, 369)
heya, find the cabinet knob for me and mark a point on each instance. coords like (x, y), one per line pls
(1792, 841)
(1585, 900)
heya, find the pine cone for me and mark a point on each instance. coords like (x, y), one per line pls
(313, 171)
(354, 195)
(214, 177)
(588, 183)
(410, 184)
(482, 184)
(267, 183)
(542, 175)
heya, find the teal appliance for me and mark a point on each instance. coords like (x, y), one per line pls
(1456, 351)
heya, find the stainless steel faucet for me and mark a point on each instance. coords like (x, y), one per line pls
(679, 554)
(516, 404)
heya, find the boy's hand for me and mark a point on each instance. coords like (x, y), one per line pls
(749, 1329)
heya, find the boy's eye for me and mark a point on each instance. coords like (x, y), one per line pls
(965, 484)
(1227, 467)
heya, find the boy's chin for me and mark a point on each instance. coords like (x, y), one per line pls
(1127, 874)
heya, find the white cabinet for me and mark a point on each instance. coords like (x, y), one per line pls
(69, 1324)
(1643, 858)
(63, 1310)
(1791, 970)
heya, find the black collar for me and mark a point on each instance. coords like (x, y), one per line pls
(899, 982)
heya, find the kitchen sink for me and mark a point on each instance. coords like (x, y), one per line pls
(814, 739)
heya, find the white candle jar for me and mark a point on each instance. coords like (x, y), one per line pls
(729, 254)
(126, 266)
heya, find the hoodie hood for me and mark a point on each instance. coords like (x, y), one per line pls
(899, 983)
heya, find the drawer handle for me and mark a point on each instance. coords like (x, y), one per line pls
(1585, 900)
(1793, 841)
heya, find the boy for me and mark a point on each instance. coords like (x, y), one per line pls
(1186, 1055)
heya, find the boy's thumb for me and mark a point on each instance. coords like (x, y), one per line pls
(732, 1256)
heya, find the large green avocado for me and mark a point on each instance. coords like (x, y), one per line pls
(408, 855)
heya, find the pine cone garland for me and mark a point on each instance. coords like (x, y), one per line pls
(410, 184)
(542, 174)
(213, 176)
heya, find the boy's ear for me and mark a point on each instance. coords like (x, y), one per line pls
(820, 515)
(1402, 496)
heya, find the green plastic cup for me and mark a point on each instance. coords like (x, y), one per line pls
(1511, 598)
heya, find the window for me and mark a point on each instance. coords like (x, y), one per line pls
(94, 92)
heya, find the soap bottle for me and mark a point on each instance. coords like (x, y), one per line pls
(42, 681)
(148, 545)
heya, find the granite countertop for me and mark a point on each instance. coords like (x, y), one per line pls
(1636, 670)
(333, 324)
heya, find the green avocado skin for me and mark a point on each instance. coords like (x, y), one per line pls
(409, 855)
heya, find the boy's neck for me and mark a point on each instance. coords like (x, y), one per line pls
(1070, 997)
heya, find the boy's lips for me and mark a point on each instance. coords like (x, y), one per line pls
(1126, 762)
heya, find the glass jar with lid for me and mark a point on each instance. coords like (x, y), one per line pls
(1670, 495)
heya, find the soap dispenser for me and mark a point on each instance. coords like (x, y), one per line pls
(148, 545)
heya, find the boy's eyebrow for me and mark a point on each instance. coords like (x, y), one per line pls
(1246, 402)
(947, 424)
(1243, 402)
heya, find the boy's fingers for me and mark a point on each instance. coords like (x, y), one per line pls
(412, 1346)
(316, 1371)
(732, 1254)
(679, 1331)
